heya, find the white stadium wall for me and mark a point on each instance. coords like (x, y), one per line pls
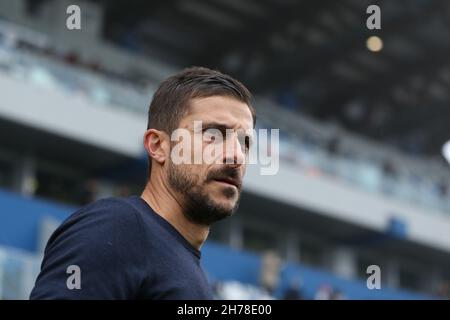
(72, 116)
(345, 202)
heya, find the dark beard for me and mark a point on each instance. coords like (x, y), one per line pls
(198, 207)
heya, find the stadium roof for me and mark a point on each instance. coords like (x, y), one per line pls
(313, 55)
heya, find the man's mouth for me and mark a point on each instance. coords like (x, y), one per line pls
(229, 182)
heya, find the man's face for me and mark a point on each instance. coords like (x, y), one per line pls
(211, 188)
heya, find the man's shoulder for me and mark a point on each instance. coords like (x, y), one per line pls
(111, 207)
(104, 239)
(106, 215)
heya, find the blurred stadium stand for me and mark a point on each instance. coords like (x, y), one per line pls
(72, 114)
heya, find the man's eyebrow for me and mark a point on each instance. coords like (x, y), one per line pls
(216, 125)
(222, 127)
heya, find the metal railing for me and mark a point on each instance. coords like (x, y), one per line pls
(361, 163)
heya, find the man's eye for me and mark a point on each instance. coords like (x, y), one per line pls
(212, 135)
(245, 142)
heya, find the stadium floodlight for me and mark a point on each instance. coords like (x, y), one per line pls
(374, 43)
(446, 151)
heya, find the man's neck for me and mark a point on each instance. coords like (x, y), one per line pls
(164, 203)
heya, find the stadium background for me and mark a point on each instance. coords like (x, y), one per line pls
(362, 177)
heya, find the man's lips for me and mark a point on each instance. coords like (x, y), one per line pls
(229, 182)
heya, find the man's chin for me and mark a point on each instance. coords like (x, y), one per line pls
(224, 214)
(226, 206)
(207, 211)
(223, 210)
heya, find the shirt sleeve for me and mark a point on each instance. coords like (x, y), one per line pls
(95, 254)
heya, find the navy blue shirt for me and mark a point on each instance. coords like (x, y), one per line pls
(124, 250)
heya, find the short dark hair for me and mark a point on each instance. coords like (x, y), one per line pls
(171, 100)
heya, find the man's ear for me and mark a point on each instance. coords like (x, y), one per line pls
(157, 145)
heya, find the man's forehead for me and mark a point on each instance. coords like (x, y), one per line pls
(220, 109)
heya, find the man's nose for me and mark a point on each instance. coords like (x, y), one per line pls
(234, 154)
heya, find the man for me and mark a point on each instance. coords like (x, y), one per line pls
(148, 247)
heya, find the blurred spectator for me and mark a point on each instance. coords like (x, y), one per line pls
(270, 270)
(235, 290)
(443, 290)
(337, 294)
(89, 191)
(72, 58)
(123, 191)
(324, 292)
(294, 291)
(333, 146)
